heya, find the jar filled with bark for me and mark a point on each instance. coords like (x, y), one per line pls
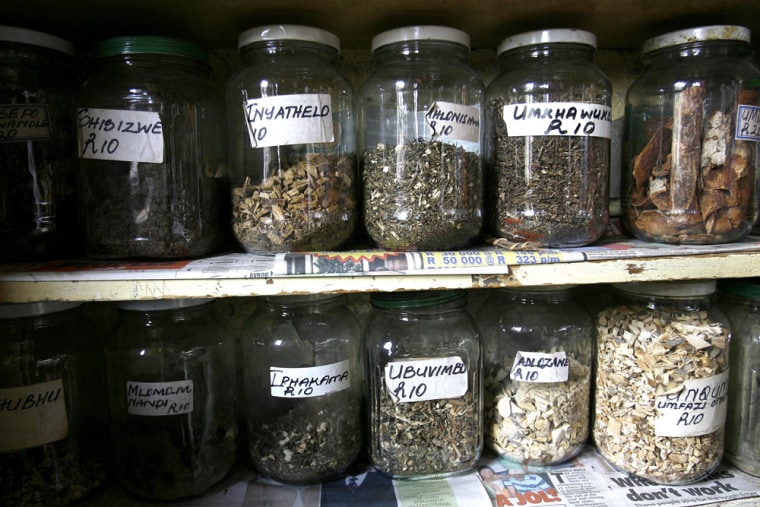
(538, 345)
(425, 381)
(303, 387)
(291, 125)
(690, 150)
(549, 140)
(421, 136)
(152, 152)
(662, 380)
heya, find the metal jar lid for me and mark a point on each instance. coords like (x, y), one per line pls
(699, 34)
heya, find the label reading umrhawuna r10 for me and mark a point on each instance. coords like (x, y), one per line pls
(558, 119)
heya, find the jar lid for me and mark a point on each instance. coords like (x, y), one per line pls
(421, 32)
(415, 299)
(35, 38)
(679, 288)
(288, 32)
(746, 287)
(146, 44)
(302, 298)
(700, 34)
(161, 304)
(552, 36)
(21, 310)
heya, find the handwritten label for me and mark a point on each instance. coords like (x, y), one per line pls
(697, 409)
(24, 122)
(160, 398)
(125, 136)
(454, 121)
(540, 367)
(748, 123)
(558, 119)
(309, 382)
(426, 379)
(32, 415)
(289, 119)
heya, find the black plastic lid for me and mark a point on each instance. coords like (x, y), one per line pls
(134, 45)
(415, 299)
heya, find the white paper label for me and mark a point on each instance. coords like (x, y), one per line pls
(426, 379)
(558, 119)
(309, 382)
(125, 136)
(160, 398)
(289, 119)
(20, 122)
(540, 367)
(697, 409)
(32, 415)
(454, 121)
(748, 123)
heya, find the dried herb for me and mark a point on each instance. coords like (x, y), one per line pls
(422, 195)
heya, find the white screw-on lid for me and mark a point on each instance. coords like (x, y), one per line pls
(161, 304)
(288, 32)
(21, 310)
(35, 38)
(554, 35)
(679, 288)
(421, 32)
(700, 34)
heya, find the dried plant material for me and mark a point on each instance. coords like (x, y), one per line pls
(308, 206)
(422, 195)
(644, 353)
(684, 172)
(537, 423)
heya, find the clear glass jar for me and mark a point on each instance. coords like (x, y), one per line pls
(550, 122)
(171, 381)
(53, 430)
(302, 379)
(292, 132)
(152, 151)
(740, 302)
(420, 137)
(38, 216)
(425, 379)
(690, 150)
(661, 380)
(538, 344)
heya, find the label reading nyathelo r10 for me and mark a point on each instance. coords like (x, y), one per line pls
(748, 123)
(289, 119)
(540, 367)
(452, 121)
(426, 379)
(160, 398)
(558, 119)
(119, 135)
(24, 122)
(32, 415)
(309, 382)
(698, 408)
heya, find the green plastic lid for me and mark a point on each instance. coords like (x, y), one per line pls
(745, 287)
(143, 44)
(415, 299)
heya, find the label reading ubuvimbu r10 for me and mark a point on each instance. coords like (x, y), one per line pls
(426, 379)
(540, 367)
(697, 409)
(289, 119)
(454, 121)
(160, 398)
(558, 119)
(309, 382)
(748, 123)
(24, 122)
(32, 415)
(119, 135)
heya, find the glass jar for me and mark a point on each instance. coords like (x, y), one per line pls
(53, 435)
(661, 380)
(425, 379)
(538, 344)
(38, 217)
(152, 152)
(302, 379)
(740, 302)
(690, 150)
(290, 115)
(171, 381)
(420, 116)
(549, 140)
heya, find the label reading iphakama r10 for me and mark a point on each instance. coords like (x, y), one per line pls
(160, 398)
(24, 122)
(697, 409)
(558, 119)
(32, 415)
(426, 379)
(540, 367)
(456, 122)
(309, 382)
(120, 135)
(289, 119)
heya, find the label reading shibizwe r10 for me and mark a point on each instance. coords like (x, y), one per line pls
(748, 123)
(540, 367)
(454, 121)
(558, 119)
(32, 415)
(289, 119)
(160, 398)
(697, 409)
(24, 122)
(309, 382)
(426, 379)
(119, 135)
